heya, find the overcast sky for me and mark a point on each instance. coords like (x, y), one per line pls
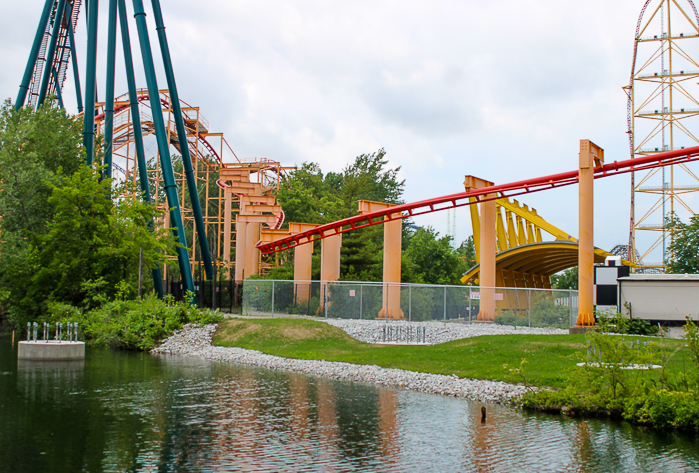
(501, 90)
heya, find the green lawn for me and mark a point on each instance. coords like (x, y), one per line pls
(550, 357)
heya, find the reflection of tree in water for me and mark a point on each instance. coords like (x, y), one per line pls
(357, 421)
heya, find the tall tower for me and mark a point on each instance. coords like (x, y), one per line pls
(663, 115)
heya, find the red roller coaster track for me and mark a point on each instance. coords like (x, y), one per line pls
(479, 195)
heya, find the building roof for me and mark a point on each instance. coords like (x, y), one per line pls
(661, 277)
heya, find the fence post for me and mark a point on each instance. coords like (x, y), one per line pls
(410, 303)
(325, 297)
(469, 304)
(272, 296)
(516, 307)
(529, 306)
(361, 299)
(445, 303)
(570, 306)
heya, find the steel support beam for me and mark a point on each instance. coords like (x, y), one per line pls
(33, 55)
(184, 145)
(163, 148)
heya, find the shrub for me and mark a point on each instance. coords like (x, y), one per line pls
(134, 324)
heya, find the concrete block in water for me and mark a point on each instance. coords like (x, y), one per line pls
(51, 350)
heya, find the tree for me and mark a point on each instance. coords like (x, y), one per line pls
(63, 236)
(432, 258)
(37, 149)
(309, 196)
(467, 251)
(682, 255)
(568, 279)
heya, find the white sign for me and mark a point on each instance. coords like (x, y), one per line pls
(476, 296)
(352, 292)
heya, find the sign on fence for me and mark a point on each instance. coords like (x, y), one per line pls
(475, 295)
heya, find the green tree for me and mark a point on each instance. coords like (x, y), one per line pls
(567, 279)
(682, 255)
(37, 148)
(432, 259)
(63, 236)
(467, 251)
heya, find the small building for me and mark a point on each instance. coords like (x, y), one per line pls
(664, 298)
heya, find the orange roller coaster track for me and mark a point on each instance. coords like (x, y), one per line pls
(477, 195)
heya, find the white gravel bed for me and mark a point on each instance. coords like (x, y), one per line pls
(402, 331)
(194, 340)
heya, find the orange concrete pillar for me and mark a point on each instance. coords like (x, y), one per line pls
(240, 247)
(227, 217)
(303, 258)
(487, 250)
(329, 262)
(392, 245)
(252, 254)
(591, 156)
(303, 263)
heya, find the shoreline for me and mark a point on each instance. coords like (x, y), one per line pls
(196, 341)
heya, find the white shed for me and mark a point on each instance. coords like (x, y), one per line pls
(661, 297)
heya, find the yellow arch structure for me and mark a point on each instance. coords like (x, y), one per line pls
(523, 258)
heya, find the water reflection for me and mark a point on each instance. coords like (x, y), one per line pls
(135, 412)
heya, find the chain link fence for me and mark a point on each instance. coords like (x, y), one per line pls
(418, 302)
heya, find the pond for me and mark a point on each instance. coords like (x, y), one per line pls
(137, 412)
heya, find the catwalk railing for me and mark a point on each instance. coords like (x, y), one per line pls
(418, 302)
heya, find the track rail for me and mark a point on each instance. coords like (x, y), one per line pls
(477, 195)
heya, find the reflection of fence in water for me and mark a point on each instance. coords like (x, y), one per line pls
(418, 302)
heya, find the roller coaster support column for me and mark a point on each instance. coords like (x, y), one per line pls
(109, 90)
(329, 263)
(163, 146)
(487, 249)
(90, 83)
(33, 55)
(48, 66)
(136, 121)
(392, 242)
(591, 158)
(184, 145)
(303, 257)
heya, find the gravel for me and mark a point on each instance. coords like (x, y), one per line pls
(196, 341)
(402, 331)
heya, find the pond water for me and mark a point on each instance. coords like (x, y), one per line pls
(136, 412)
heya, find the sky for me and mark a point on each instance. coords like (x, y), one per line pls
(500, 90)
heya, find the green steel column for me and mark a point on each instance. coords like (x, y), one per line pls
(48, 64)
(182, 137)
(109, 90)
(163, 147)
(33, 55)
(90, 86)
(136, 121)
(74, 57)
(58, 89)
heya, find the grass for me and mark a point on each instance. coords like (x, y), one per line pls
(550, 357)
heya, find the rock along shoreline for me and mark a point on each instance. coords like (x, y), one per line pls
(196, 341)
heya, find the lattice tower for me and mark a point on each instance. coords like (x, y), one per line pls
(663, 113)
